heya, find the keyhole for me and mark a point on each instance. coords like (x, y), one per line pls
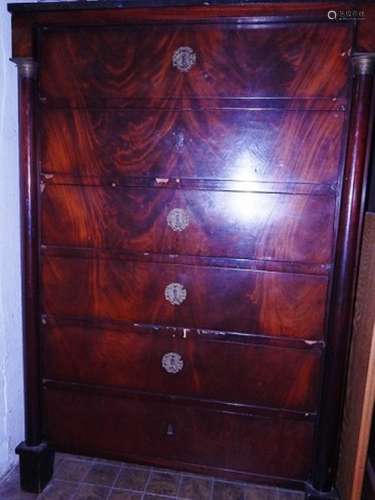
(180, 139)
(170, 430)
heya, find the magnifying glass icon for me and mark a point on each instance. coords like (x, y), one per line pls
(332, 15)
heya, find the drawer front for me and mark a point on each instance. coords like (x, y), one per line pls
(270, 303)
(284, 146)
(193, 367)
(205, 223)
(179, 434)
(196, 60)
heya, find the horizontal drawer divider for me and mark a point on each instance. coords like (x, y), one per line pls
(188, 260)
(209, 335)
(209, 404)
(334, 104)
(297, 188)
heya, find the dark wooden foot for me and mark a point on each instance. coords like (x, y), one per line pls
(313, 494)
(36, 466)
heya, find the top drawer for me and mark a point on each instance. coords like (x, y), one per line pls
(191, 60)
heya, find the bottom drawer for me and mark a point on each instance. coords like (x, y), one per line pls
(147, 430)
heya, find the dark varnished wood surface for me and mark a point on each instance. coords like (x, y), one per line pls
(134, 360)
(138, 430)
(136, 61)
(38, 14)
(189, 260)
(113, 110)
(223, 224)
(349, 238)
(276, 304)
(206, 143)
(30, 246)
(264, 7)
(365, 41)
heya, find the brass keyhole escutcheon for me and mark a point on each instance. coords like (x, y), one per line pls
(175, 293)
(172, 362)
(178, 219)
(184, 59)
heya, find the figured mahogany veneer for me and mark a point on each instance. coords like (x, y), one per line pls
(191, 182)
(223, 224)
(269, 303)
(178, 434)
(124, 358)
(204, 143)
(136, 61)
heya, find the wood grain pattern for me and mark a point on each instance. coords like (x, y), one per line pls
(219, 224)
(255, 374)
(260, 121)
(136, 61)
(365, 41)
(287, 146)
(220, 299)
(137, 430)
(347, 255)
(360, 394)
(27, 16)
(29, 240)
(189, 260)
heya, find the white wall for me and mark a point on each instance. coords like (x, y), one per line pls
(11, 383)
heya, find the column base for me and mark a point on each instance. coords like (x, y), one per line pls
(36, 466)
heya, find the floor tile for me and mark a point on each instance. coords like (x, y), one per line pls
(157, 497)
(195, 488)
(72, 470)
(82, 457)
(132, 478)
(125, 495)
(102, 474)
(91, 492)
(228, 491)
(10, 487)
(290, 495)
(58, 490)
(83, 478)
(59, 457)
(107, 461)
(261, 493)
(21, 495)
(139, 466)
(163, 483)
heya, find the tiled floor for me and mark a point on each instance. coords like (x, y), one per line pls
(82, 478)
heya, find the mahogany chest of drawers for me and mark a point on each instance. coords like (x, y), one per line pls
(191, 189)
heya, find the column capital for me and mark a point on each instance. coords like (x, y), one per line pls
(363, 63)
(26, 66)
